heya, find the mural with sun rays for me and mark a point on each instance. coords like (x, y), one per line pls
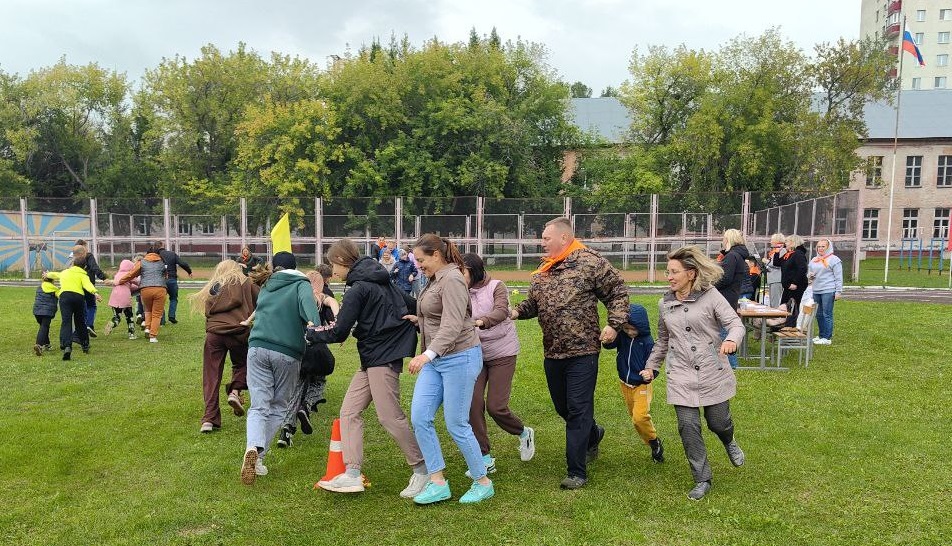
(50, 237)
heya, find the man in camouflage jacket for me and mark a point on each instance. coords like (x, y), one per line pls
(564, 294)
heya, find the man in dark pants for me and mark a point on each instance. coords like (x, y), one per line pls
(172, 263)
(94, 272)
(564, 294)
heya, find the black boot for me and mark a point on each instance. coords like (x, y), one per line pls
(657, 450)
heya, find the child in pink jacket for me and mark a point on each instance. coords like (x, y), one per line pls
(121, 299)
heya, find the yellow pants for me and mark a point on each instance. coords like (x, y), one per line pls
(638, 401)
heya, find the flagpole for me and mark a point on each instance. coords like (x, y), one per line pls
(892, 181)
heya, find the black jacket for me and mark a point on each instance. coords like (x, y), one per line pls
(735, 270)
(92, 269)
(172, 260)
(793, 268)
(373, 308)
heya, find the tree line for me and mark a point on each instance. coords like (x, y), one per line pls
(480, 117)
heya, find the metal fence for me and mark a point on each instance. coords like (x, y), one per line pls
(635, 232)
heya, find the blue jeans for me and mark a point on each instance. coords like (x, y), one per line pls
(448, 381)
(824, 314)
(171, 285)
(271, 378)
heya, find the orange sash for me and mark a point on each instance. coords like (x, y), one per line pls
(547, 263)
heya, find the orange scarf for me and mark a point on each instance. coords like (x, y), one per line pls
(547, 263)
(822, 260)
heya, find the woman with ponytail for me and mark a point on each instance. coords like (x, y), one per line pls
(448, 366)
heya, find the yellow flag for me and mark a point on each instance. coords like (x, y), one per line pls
(281, 236)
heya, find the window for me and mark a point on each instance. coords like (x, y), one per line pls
(945, 14)
(913, 171)
(870, 223)
(940, 82)
(917, 83)
(920, 36)
(940, 226)
(944, 180)
(943, 37)
(910, 223)
(942, 60)
(184, 228)
(920, 15)
(208, 228)
(874, 171)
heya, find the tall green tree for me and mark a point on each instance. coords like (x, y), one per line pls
(579, 90)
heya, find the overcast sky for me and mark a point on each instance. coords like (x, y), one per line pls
(587, 40)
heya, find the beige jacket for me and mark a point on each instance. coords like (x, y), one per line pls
(689, 337)
(444, 314)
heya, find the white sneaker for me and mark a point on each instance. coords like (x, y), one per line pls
(342, 483)
(818, 340)
(153, 340)
(145, 331)
(823, 341)
(527, 445)
(260, 468)
(490, 463)
(417, 484)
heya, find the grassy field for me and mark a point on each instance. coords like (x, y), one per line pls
(871, 273)
(853, 450)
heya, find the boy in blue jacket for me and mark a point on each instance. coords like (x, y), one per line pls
(634, 344)
(44, 310)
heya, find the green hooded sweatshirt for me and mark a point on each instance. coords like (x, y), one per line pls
(285, 305)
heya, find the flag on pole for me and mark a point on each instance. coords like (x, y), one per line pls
(909, 46)
(281, 235)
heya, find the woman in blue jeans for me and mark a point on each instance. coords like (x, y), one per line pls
(448, 368)
(826, 270)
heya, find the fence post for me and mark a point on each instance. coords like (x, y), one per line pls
(112, 243)
(859, 234)
(567, 205)
(224, 238)
(398, 220)
(93, 227)
(243, 221)
(468, 231)
(813, 219)
(627, 234)
(167, 220)
(652, 244)
(520, 226)
(318, 231)
(24, 238)
(796, 216)
(480, 209)
(745, 215)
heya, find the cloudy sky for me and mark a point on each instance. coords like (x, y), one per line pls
(587, 40)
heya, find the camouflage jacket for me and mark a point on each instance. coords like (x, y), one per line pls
(565, 298)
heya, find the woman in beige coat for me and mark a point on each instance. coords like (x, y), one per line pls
(698, 375)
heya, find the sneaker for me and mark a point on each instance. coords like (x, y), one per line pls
(433, 493)
(38, 350)
(823, 341)
(47, 348)
(527, 444)
(417, 484)
(249, 466)
(86, 350)
(234, 400)
(260, 468)
(153, 339)
(305, 420)
(67, 353)
(132, 335)
(284, 438)
(342, 483)
(735, 453)
(700, 489)
(573, 482)
(108, 329)
(477, 493)
(91, 331)
(139, 320)
(145, 331)
(657, 450)
(172, 320)
(490, 463)
(592, 453)
(206, 428)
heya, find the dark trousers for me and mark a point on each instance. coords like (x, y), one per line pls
(796, 296)
(719, 421)
(43, 334)
(571, 384)
(497, 376)
(117, 317)
(90, 314)
(171, 286)
(73, 312)
(213, 366)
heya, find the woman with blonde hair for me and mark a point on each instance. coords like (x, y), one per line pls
(774, 284)
(734, 264)
(793, 276)
(691, 316)
(226, 300)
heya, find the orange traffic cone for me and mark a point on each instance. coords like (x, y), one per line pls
(335, 457)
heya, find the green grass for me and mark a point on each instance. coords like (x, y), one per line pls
(853, 450)
(871, 273)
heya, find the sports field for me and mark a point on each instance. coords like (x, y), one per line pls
(852, 450)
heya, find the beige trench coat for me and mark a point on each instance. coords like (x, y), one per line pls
(689, 336)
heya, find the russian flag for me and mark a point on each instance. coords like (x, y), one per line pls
(909, 45)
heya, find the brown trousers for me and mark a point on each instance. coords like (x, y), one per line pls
(213, 367)
(497, 375)
(380, 385)
(153, 302)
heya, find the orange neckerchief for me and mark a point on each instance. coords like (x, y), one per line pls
(822, 259)
(547, 263)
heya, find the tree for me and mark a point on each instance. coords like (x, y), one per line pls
(579, 90)
(609, 91)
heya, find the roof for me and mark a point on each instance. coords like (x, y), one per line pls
(925, 114)
(606, 117)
